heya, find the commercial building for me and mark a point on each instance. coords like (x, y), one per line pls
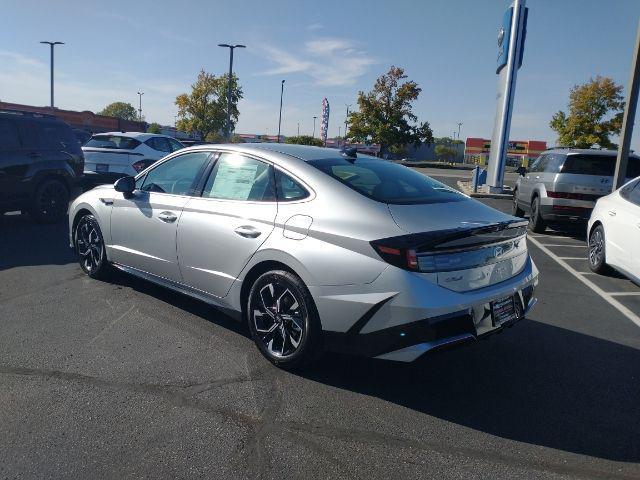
(518, 152)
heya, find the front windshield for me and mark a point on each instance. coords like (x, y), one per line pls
(387, 182)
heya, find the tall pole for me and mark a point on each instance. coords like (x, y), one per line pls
(51, 45)
(298, 128)
(459, 125)
(280, 117)
(140, 106)
(629, 115)
(346, 119)
(231, 48)
(314, 127)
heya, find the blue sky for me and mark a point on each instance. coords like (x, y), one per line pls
(323, 49)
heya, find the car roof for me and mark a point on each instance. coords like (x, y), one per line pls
(142, 136)
(583, 151)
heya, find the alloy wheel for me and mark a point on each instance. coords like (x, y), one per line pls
(53, 200)
(596, 247)
(279, 319)
(89, 245)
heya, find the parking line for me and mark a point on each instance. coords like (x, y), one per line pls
(624, 294)
(572, 258)
(561, 245)
(606, 296)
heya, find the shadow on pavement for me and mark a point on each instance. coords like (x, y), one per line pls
(537, 384)
(26, 243)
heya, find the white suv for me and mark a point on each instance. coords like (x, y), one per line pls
(109, 156)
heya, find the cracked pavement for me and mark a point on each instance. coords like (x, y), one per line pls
(129, 380)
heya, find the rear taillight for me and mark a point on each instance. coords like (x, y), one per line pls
(574, 196)
(140, 165)
(400, 257)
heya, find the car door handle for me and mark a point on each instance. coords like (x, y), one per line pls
(167, 217)
(247, 231)
(612, 213)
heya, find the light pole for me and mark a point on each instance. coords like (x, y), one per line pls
(280, 116)
(314, 127)
(346, 119)
(52, 44)
(339, 135)
(231, 48)
(298, 128)
(140, 106)
(459, 125)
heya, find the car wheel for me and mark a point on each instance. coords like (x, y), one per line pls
(597, 253)
(90, 248)
(536, 222)
(515, 209)
(283, 320)
(50, 202)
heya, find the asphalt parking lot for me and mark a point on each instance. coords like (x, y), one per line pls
(128, 380)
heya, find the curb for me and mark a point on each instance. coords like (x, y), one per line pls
(465, 187)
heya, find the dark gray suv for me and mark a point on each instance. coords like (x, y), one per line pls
(41, 164)
(563, 185)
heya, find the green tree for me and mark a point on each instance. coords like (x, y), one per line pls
(595, 113)
(121, 110)
(445, 153)
(385, 114)
(305, 140)
(154, 128)
(446, 141)
(204, 110)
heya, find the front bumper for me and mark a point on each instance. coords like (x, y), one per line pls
(416, 316)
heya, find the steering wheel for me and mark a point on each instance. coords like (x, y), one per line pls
(185, 182)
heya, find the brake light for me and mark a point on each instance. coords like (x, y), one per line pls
(400, 257)
(573, 196)
(140, 165)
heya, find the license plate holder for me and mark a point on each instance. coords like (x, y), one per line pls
(102, 167)
(503, 310)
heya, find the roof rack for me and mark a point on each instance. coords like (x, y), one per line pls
(26, 113)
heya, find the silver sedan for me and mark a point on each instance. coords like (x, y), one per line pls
(316, 249)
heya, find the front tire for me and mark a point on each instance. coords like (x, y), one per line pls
(90, 248)
(536, 222)
(515, 209)
(50, 202)
(597, 252)
(283, 320)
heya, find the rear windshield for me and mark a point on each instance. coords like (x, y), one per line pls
(600, 165)
(112, 141)
(387, 182)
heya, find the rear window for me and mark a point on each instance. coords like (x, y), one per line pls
(112, 141)
(55, 135)
(387, 182)
(599, 165)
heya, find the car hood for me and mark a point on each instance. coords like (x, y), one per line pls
(465, 214)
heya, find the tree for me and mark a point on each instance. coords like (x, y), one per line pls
(445, 153)
(122, 110)
(154, 128)
(204, 110)
(305, 140)
(385, 114)
(595, 113)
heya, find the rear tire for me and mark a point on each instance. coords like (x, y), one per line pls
(536, 222)
(90, 248)
(283, 320)
(597, 252)
(515, 209)
(50, 202)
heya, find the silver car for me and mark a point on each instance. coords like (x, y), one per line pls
(563, 185)
(314, 248)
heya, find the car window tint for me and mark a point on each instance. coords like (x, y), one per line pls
(53, 135)
(634, 195)
(9, 138)
(288, 189)
(539, 164)
(553, 163)
(160, 144)
(633, 167)
(387, 182)
(176, 176)
(175, 145)
(584, 164)
(112, 141)
(236, 177)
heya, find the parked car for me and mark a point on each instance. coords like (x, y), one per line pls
(109, 156)
(313, 247)
(41, 165)
(563, 185)
(614, 232)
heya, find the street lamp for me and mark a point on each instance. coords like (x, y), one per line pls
(280, 117)
(52, 44)
(298, 128)
(140, 106)
(314, 127)
(459, 125)
(346, 119)
(231, 48)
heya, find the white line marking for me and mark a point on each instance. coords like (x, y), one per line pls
(624, 294)
(606, 296)
(561, 245)
(572, 258)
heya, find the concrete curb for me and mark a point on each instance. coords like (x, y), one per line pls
(466, 188)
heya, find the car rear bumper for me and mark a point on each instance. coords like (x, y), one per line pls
(415, 316)
(564, 213)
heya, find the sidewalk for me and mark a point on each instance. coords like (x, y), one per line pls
(466, 187)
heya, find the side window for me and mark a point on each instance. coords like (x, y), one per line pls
(53, 136)
(539, 164)
(176, 176)
(9, 139)
(628, 189)
(634, 195)
(175, 145)
(236, 177)
(160, 144)
(140, 182)
(553, 163)
(288, 189)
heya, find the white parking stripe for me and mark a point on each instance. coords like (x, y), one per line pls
(606, 296)
(624, 294)
(572, 258)
(561, 245)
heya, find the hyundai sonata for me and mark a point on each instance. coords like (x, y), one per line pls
(314, 248)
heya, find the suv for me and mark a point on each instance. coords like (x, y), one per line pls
(109, 156)
(41, 164)
(563, 184)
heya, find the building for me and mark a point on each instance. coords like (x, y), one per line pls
(86, 121)
(518, 152)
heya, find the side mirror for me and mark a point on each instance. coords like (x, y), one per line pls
(125, 185)
(522, 171)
